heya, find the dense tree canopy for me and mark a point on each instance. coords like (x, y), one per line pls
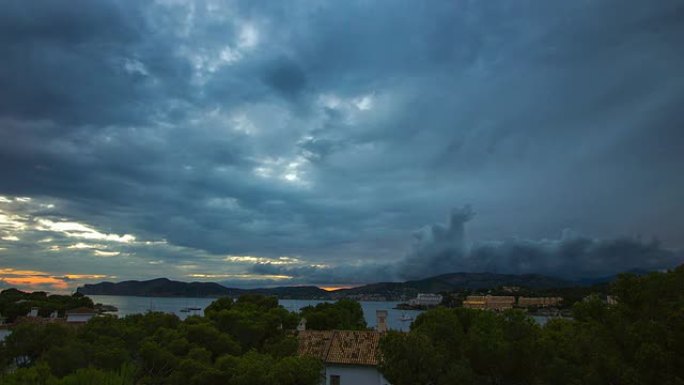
(243, 342)
(344, 314)
(15, 303)
(638, 341)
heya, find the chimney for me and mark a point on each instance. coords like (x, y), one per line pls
(302, 325)
(382, 320)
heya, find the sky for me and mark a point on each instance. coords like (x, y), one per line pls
(337, 143)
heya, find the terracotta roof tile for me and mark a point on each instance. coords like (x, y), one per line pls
(314, 343)
(345, 347)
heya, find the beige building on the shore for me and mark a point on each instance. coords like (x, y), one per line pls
(489, 302)
(539, 301)
(475, 302)
(503, 302)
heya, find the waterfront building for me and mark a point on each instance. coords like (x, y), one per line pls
(475, 302)
(426, 299)
(500, 302)
(80, 315)
(490, 302)
(539, 301)
(511, 289)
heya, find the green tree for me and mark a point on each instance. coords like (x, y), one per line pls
(408, 359)
(28, 341)
(223, 303)
(216, 342)
(92, 376)
(157, 363)
(38, 374)
(67, 358)
(447, 346)
(343, 314)
(296, 371)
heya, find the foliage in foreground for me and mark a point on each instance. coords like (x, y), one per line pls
(344, 314)
(638, 341)
(242, 343)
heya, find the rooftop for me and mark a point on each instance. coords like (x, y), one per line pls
(346, 347)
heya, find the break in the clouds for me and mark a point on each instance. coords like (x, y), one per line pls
(291, 143)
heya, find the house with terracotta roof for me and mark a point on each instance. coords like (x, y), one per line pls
(350, 357)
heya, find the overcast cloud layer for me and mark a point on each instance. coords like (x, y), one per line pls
(262, 143)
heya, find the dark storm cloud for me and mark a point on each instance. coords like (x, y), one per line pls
(573, 257)
(438, 249)
(66, 63)
(321, 275)
(286, 77)
(330, 131)
(442, 248)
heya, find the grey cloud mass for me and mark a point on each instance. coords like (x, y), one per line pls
(445, 248)
(328, 132)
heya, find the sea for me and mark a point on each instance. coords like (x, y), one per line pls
(396, 319)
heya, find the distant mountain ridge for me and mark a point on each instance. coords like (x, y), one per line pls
(160, 287)
(164, 287)
(455, 281)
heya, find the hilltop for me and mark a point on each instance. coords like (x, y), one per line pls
(164, 287)
(454, 282)
(160, 287)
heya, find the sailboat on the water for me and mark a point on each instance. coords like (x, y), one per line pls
(188, 309)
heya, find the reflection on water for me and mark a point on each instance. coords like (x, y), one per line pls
(133, 305)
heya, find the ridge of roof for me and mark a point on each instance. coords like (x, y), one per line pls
(328, 344)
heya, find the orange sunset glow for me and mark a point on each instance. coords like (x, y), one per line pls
(36, 281)
(333, 288)
(39, 280)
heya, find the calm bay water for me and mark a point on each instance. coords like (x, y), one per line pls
(133, 305)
